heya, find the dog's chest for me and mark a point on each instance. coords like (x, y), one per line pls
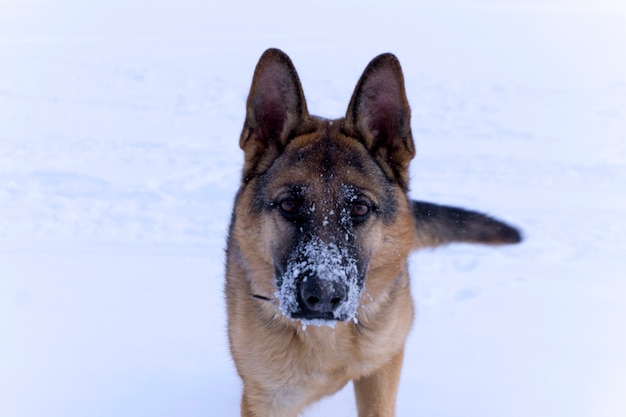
(331, 355)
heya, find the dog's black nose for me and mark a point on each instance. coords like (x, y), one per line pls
(319, 298)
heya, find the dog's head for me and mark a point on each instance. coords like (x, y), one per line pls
(323, 206)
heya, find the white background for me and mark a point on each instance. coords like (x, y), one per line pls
(119, 160)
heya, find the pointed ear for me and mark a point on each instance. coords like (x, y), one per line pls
(437, 225)
(276, 109)
(380, 117)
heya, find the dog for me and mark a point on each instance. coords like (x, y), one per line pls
(317, 283)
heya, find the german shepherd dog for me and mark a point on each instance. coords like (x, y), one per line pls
(317, 283)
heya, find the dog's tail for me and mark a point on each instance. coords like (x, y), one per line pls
(437, 225)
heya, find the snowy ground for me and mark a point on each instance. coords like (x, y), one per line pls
(119, 124)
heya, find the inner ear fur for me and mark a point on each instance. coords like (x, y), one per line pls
(276, 108)
(380, 117)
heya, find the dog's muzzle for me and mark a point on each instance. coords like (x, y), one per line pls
(320, 282)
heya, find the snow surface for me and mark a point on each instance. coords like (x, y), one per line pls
(119, 159)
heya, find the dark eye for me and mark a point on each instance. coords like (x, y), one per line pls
(360, 209)
(288, 206)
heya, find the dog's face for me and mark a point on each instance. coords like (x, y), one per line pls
(327, 204)
(328, 198)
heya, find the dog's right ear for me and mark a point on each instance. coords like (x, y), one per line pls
(276, 109)
(380, 117)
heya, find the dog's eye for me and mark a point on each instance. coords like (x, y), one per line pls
(360, 209)
(291, 208)
(288, 206)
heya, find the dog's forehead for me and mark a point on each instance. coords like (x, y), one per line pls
(326, 159)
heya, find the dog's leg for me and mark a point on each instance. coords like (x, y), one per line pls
(246, 408)
(256, 402)
(376, 393)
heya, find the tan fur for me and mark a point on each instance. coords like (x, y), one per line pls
(284, 364)
(286, 367)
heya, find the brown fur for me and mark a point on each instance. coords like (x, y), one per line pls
(310, 162)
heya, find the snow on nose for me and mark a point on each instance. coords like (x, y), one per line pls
(320, 282)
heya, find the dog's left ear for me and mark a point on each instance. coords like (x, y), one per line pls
(276, 109)
(380, 117)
